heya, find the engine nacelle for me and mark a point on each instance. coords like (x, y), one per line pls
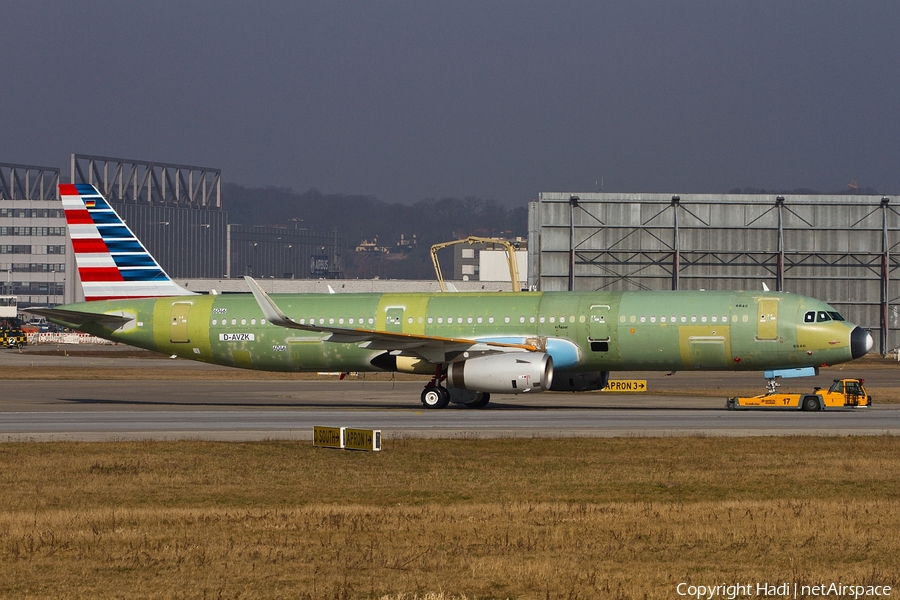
(514, 373)
(569, 381)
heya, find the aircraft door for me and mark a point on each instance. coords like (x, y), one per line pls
(598, 330)
(394, 319)
(767, 319)
(709, 352)
(178, 332)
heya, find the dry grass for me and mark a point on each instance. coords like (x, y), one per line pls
(445, 519)
(155, 370)
(152, 372)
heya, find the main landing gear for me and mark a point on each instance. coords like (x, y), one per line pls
(481, 400)
(437, 396)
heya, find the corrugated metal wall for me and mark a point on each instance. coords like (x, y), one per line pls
(835, 248)
(187, 242)
(284, 253)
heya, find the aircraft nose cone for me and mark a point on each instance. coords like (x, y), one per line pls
(860, 342)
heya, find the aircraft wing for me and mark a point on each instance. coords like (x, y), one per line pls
(75, 318)
(431, 348)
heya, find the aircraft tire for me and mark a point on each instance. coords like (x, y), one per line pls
(481, 402)
(811, 403)
(435, 397)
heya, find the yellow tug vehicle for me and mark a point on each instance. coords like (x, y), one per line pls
(11, 333)
(843, 393)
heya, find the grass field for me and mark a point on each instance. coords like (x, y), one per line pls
(474, 518)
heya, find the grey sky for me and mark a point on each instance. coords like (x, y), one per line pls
(407, 100)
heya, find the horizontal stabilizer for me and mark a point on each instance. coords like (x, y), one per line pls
(75, 318)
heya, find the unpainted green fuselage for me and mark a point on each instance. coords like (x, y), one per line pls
(612, 331)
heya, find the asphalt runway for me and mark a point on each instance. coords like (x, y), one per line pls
(258, 410)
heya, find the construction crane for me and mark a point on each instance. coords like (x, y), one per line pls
(510, 257)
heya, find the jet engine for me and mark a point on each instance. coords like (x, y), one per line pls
(567, 381)
(514, 373)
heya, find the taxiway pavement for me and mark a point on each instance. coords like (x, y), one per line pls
(166, 409)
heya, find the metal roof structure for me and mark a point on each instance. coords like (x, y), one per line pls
(154, 183)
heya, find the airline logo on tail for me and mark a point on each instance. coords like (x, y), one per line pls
(112, 262)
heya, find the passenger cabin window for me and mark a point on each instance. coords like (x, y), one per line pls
(822, 317)
(810, 317)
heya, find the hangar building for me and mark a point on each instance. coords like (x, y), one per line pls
(841, 249)
(175, 210)
(34, 255)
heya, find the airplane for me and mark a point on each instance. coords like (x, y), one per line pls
(472, 344)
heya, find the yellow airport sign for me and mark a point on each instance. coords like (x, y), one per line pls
(626, 385)
(362, 439)
(328, 437)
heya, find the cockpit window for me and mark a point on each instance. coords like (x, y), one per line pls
(822, 316)
(810, 317)
(836, 316)
(837, 387)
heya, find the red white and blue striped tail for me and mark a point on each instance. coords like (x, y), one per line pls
(112, 262)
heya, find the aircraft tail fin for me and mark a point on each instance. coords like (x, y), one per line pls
(112, 262)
